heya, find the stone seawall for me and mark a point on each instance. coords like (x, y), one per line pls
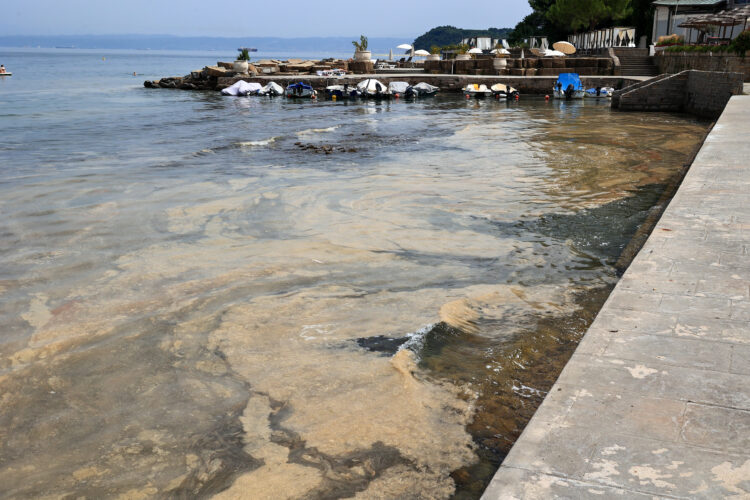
(655, 402)
(529, 66)
(703, 93)
(447, 83)
(675, 62)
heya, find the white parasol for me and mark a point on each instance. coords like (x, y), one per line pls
(421, 52)
(564, 47)
(500, 51)
(390, 55)
(475, 51)
(405, 46)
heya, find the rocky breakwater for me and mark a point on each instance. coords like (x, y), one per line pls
(208, 77)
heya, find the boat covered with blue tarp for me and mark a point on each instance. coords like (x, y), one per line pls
(569, 86)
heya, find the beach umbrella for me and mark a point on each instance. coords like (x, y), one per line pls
(421, 52)
(475, 51)
(405, 46)
(500, 51)
(390, 55)
(564, 47)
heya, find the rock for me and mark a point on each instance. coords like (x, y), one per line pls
(217, 71)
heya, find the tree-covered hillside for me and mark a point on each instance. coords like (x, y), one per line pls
(556, 19)
(450, 35)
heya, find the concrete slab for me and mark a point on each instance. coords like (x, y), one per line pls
(655, 402)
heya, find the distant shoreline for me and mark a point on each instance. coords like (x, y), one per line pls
(169, 42)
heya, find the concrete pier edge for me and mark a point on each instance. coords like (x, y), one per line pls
(655, 401)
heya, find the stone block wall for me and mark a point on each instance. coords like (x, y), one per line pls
(703, 93)
(708, 91)
(530, 66)
(675, 62)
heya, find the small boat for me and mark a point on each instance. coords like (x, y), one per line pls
(398, 88)
(7, 73)
(301, 90)
(502, 91)
(422, 89)
(385, 65)
(477, 90)
(344, 91)
(600, 92)
(272, 89)
(568, 86)
(331, 72)
(242, 88)
(374, 89)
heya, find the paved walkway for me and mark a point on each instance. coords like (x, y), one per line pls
(655, 402)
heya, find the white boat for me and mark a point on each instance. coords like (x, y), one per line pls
(342, 91)
(301, 90)
(422, 89)
(477, 90)
(242, 88)
(271, 89)
(600, 93)
(373, 88)
(398, 88)
(568, 86)
(502, 91)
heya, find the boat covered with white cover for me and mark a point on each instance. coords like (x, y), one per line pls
(271, 89)
(569, 86)
(399, 88)
(422, 89)
(600, 92)
(242, 88)
(477, 90)
(373, 88)
(502, 91)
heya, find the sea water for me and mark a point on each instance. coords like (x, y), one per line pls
(265, 298)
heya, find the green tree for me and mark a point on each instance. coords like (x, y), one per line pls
(642, 17)
(450, 35)
(582, 15)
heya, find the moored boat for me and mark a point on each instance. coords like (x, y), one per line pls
(600, 92)
(568, 86)
(344, 91)
(502, 91)
(477, 90)
(422, 89)
(374, 89)
(242, 88)
(299, 90)
(271, 89)
(398, 88)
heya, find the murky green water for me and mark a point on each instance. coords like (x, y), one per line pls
(196, 302)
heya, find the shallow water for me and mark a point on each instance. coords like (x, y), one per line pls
(260, 298)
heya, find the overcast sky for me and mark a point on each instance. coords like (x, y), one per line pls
(251, 18)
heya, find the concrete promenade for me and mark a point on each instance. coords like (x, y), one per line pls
(655, 402)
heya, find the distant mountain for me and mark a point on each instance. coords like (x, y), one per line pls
(170, 42)
(450, 35)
